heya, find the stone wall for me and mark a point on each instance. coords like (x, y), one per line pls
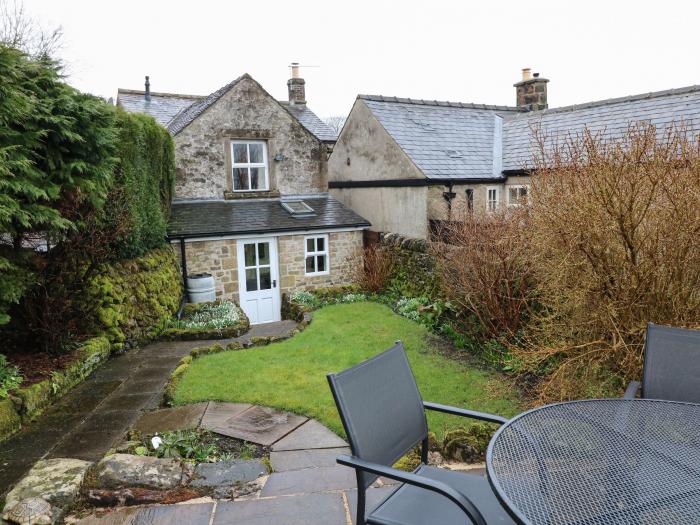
(247, 111)
(345, 247)
(219, 258)
(439, 210)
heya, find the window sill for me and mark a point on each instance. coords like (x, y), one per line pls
(316, 274)
(257, 194)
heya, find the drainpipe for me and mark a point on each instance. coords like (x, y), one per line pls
(183, 265)
(449, 195)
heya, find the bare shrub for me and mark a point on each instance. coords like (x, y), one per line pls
(614, 242)
(484, 269)
(373, 269)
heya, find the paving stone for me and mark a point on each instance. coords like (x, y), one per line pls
(309, 480)
(90, 446)
(189, 514)
(168, 419)
(217, 413)
(308, 509)
(127, 401)
(227, 473)
(152, 386)
(311, 434)
(259, 425)
(146, 373)
(300, 459)
(127, 470)
(55, 480)
(374, 497)
(108, 420)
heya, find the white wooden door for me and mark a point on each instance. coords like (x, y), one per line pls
(258, 279)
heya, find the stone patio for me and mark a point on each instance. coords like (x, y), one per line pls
(306, 485)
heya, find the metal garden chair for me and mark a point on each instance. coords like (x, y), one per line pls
(384, 418)
(671, 365)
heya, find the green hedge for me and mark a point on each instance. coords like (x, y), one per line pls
(135, 298)
(146, 175)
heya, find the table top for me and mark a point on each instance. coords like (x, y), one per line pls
(600, 462)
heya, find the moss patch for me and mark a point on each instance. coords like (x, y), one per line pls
(136, 298)
(10, 420)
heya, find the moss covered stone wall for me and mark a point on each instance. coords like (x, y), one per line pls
(135, 298)
(413, 268)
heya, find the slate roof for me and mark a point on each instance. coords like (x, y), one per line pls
(445, 140)
(453, 140)
(175, 111)
(310, 121)
(162, 106)
(213, 218)
(609, 118)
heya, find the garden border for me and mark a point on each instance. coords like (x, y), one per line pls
(200, 351)
(25, 403)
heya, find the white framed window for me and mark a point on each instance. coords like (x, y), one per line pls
(517, 195)
(492, 198)
(316, 255)
(249, 165)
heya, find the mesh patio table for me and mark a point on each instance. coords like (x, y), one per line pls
(609, 461)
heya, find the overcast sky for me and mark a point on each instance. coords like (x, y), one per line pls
(461, 51)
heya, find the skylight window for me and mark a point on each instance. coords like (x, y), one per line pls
(298, 208)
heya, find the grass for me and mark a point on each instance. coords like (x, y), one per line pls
(291, 375)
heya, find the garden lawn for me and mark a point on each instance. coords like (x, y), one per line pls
(291, 375)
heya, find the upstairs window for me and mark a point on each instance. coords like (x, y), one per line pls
(249, 164)
(492, 198)
(316, 254)
(517, 195)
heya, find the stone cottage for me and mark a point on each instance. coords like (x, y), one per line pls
(251, 200)
(408, 164)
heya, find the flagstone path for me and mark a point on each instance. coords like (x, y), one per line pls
(88, 420)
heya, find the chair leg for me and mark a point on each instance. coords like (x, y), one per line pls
(424, 451)
(360, 516)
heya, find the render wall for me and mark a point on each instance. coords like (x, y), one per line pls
(374, 155)
(202, 149)
(398, 210)
(219, 258)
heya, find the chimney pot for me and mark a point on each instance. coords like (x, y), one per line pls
(526, 74)
(296, 86)
(147, 93)
(536, 75)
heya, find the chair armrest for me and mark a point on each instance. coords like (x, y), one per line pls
(482, 416)
(418, 481)
(632, 390)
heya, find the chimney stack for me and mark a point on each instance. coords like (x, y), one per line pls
(295, 86)
(147, 93)
(531, 91)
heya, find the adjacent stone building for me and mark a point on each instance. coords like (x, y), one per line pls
(251, 203)
(408, 164)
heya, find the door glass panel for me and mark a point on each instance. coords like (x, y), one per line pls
(250, 254)
(240, 178)
(256, 153)
(251, 280)
(263, 253)
(310, 264)
(240, 155)
(321, 263)
(265, 279)
(256, 178)
(320, 243)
